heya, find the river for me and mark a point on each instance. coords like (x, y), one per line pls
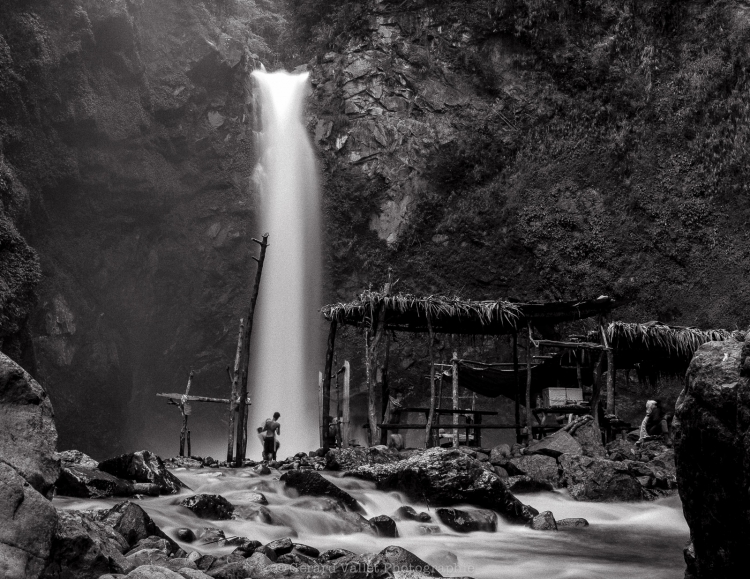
(624, 540)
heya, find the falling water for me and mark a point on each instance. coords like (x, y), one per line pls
(286, 330)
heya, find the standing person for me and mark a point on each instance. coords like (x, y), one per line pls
(277, 432)
(268, 433)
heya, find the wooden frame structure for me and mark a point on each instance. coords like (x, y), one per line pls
(378, 313)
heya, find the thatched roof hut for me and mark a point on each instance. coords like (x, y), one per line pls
(453, 315)
(657, 347)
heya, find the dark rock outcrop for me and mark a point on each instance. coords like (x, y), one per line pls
(206, 506)
(143, 467)
(572, 523)
(312, 483)
(134, 524)
(467, 521)
(447, 477)
(28, 438)
(349, 458)
(544, 522)
(79, 481)
(540, 467)
(77, 458)
(712, 452)
(598, 479)
(556, 444)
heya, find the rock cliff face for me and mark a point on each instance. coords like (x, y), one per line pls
(126, 152)
(712, 452)
(513, 148)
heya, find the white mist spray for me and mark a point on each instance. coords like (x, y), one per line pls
(285, 344)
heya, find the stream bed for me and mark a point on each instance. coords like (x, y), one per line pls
(624, 540)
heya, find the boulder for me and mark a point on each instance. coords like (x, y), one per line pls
(85, 548)
(333, 554)
(247, 547)
(255, 512)
(349, 458)
(143, 467)
(588, 437)
(500, 454)
(558, 443)
(526, 484)
(447, 477)
(84, 482)
(307, 482)
(711, 432)
(152, 542)
(598, 479)
(539, 467)
(77, 458)
(544, 522)
(386, 526)
(27, 525)
(621, 449)
(188, 573)
(573, 523)
(28, 438)
(146, 557)
(185, 535)
(134, 524)
(206, 506)
(307, 550)
(153, 572)
(467, 521)
(403, 561)
(281, 546)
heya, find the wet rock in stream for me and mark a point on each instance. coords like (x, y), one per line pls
(312, 483)
(143, 467)
(208, 506)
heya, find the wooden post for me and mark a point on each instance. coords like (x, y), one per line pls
(233, 395)
(326, 410)
(431, 415)
(345, 411)
(245, 358)
(183, 404)
(579, 379)
(610, 370)
(529, 425)
(371, 418)
(189, 449)
(454, 362)
(517, 373)
(321, 420)
(384, 388)
(596, 390)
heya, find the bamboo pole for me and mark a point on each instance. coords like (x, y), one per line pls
(517, 372)
(431, 415)
(245, 359)
(529, 426)
(596, 390)
(234, 394)
(183, 402)
(455, 399)
(371, 418)
(326, 410)
(345, 411)
(384, 388)
(320, 410)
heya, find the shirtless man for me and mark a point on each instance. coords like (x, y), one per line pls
(269, 431)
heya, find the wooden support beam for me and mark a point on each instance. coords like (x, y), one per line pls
(185, 414)
(245, 358)
(528, 384)
(455, 399)
(234, 393)
(569, 345)
(431, 414)
(179, 397)
(596, 389)
(517, 373)
(384, 388)
(326, 401)
(610, 369)
(345, 407)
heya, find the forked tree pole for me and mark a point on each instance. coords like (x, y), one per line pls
(345, 410)
(244, 362)
(326, 397)
(431, 415)
(234, 393)
(610, 370)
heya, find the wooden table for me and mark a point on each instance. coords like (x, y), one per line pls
(476, 425)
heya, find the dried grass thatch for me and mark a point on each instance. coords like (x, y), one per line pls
(663, 344)
(453, 315)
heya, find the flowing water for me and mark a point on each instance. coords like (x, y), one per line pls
(285, 348)
(624, 540)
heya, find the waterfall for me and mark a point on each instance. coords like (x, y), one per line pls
(286, 340)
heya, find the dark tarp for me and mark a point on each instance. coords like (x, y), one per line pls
(494, 381)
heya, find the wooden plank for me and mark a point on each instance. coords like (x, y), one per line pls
(570, 345)
(528, 385)
(234, 394)
(178, 397)
(449, 411)
(431, 415)
(183, 431)
(414, 426)
(245, 359)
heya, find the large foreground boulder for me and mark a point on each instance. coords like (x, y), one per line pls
(309, 482)
(143, 467)
(85, 548)
(28, 438)
(447, 477)
(712, 452)
(27, 522)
